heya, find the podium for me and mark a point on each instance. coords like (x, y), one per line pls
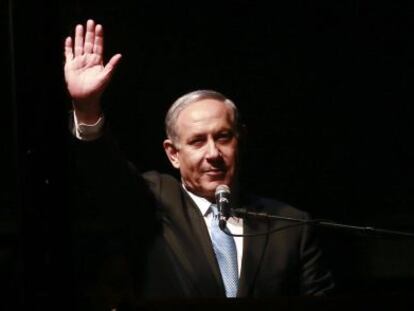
(394, 301)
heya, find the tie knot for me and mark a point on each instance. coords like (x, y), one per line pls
(214, 210)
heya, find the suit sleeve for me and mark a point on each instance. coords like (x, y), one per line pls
(113, 221)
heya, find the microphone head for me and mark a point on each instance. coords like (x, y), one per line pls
(222, 189)
(223, 201)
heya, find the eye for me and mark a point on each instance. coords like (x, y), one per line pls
(225, 136)
(196, 141)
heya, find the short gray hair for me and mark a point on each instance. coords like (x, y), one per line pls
(188, 99)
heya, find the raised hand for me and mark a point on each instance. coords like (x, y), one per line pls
(85, 73)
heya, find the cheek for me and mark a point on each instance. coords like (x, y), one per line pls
(230, 156)
(191, 162)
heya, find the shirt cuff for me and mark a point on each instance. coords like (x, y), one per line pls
(87, 132)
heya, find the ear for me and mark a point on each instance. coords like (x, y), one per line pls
(172, 153)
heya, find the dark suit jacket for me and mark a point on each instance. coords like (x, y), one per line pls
(141, 236)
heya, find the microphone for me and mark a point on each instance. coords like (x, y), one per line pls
(223, 204)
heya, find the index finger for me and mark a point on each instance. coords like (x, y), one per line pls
(98, 46)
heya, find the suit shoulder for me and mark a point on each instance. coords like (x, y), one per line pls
(162, 183)
(156, 177)
(273, 206)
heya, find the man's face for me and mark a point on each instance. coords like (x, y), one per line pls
(206, 150)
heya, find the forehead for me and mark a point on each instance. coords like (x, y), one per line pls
(204, 113)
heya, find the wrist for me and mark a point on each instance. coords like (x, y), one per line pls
(87, 113)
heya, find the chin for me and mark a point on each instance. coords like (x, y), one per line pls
(208, 187)
(211, 187)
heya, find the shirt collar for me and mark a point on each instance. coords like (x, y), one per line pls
(204, 206)
(202, 203)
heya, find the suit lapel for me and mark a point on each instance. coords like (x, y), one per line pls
(190, 242)
(253, 251)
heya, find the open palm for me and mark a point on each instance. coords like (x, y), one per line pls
(85, 73)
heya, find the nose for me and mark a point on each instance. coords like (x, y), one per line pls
(212, 150)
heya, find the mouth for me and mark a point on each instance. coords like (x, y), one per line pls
(215, 172)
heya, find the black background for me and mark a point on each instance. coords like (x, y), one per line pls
(324, 87)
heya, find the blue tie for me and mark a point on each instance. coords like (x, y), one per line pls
(226, 254)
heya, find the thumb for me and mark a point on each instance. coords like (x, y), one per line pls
(112, 64)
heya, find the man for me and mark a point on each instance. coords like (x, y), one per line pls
(152, 236)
